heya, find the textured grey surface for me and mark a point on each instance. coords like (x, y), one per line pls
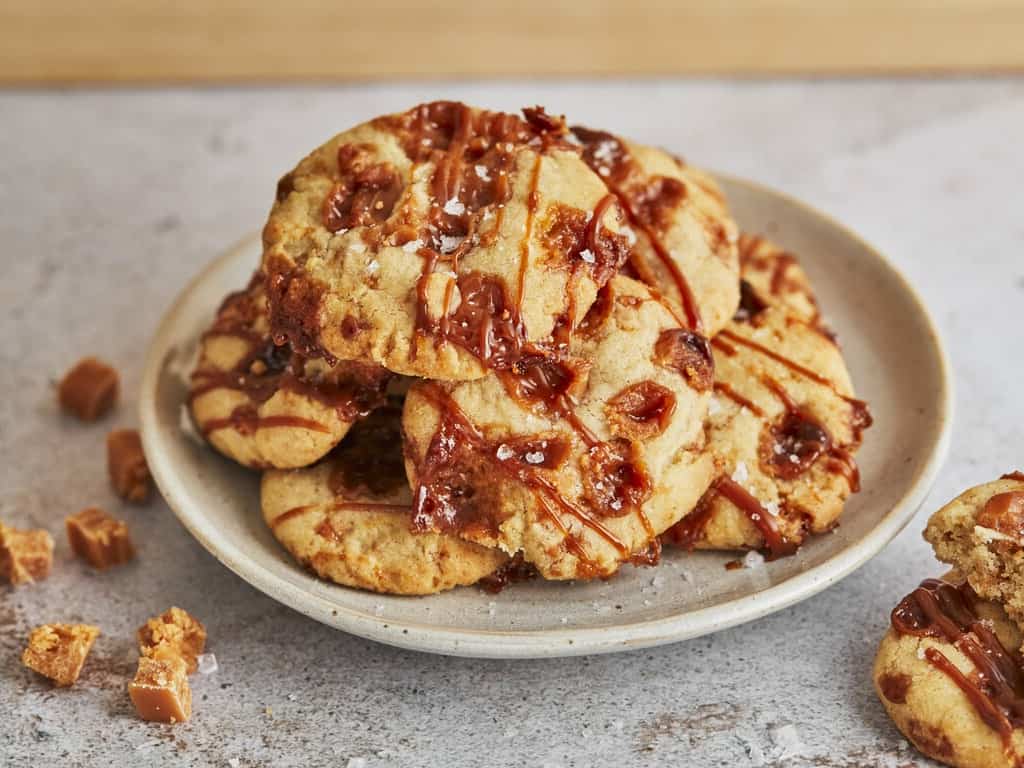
(110, 201)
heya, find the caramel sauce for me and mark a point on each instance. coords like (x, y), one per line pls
(689, 354)
(514, 571)
(366, 192)
(448, 498)
(1013, 476)
(775, 540)
(725, 389)
(369, 459)
(640, 198)
(946, 612)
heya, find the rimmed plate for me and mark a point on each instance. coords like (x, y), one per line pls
(898, 365)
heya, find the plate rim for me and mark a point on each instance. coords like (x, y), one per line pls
(541, 643)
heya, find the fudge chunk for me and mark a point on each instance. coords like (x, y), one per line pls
(126, 463)
(25, 556)
(99, 539)
(173, 634)
(160, 690)
(58, 651)
(89, 389)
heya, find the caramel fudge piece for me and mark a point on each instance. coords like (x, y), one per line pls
(160, 690)
(126, 463)
(99, 539)
(58, 651)
(25, 556)
(173, 634)
(89, 389)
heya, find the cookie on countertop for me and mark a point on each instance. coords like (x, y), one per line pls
(437, 241)
(261, 404)
(981, 534)
(348, 518)
(578, 461)
(685, 239)
(784, 423)
(949, 675)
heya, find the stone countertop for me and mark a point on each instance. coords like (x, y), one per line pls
(111, 201)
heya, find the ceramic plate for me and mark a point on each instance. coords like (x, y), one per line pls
(897, 363)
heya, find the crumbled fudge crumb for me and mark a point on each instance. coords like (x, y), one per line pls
(160, 690)
(173, 634)
(89, 389)
(58, 651)
(25, 556)
(99, 539)
(126, 463)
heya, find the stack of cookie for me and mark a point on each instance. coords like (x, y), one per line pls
(481, 344)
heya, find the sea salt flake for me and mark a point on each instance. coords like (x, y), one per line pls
(357, 247)
(615, 504)
(534, 457)
(794, 458)
(373, 266)
(920, 652)
(412, 246)
(481, 172)
(450, 242)
(588, 256)
(206, 663)
(378, 610)
(504, 453)
(292, 697)
(454, 207)
(234, 762)
(740, 475)
(753, 559)
(714, 406)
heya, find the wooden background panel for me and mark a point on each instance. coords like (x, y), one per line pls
(49, 41)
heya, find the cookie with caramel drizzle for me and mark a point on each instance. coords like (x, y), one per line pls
(263, 405)
(394, 241)
(784, 423)
(577, 457)
(347, 518)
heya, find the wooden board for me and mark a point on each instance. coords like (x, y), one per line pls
(49, 41)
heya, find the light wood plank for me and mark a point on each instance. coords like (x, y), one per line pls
(45, 41)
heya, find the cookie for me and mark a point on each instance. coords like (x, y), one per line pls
(259, 403)
(773, 276)
(348, 519)
(436, 242)
(784, 424)
(949, 677)
(578, 461)
(685, 240)
(981, 534)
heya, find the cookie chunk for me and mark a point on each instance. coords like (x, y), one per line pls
(785, 425)
(981, 534)
(683, 238)
(948, 674)
(259, 403)
(437, 241)
(577, 460)
(348, 519)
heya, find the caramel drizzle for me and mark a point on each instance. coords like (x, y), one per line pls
(544, 492)
(859, 405)
(725, 389)
(247, 421)
(946, 612)
(774, 539)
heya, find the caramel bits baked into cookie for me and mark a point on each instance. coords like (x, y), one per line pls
(390, 241)
(981, 534)
(348, 518)
(263, 405)
(58, 651)
(949, 674)
(784, 422)
(683, 240)
(578, 460)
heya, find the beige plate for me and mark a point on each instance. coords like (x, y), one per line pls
(898, 365)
